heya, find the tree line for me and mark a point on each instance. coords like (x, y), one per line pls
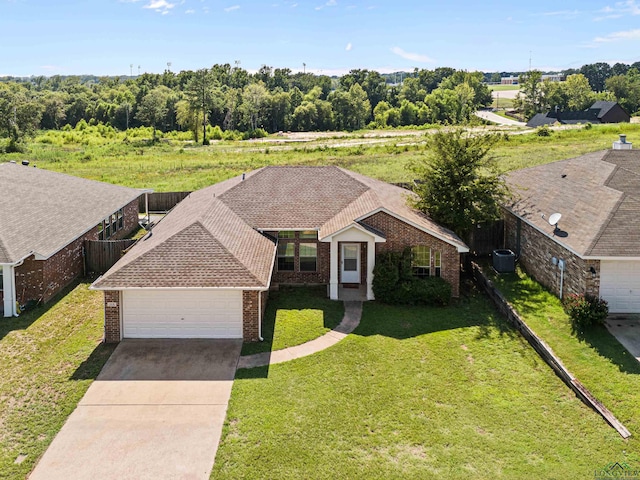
(231, 98)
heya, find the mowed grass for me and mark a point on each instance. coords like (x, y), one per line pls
(295, 315)
(415, 392)
(180, 166)
(594, 356)
(48, 359)
(499, 88)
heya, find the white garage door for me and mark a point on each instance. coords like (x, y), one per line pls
(620, 285)
(182, 314)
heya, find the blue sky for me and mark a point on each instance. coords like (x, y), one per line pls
(104, 37)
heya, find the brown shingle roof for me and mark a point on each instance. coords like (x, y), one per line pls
(200, 243)
(43, 211)
(217, 228)
(597, 195)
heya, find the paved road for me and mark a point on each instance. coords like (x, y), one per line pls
(155, 412)
(492, 117)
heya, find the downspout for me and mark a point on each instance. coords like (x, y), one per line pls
(260, 317)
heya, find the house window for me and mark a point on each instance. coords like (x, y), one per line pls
(308, 257)
(309, 234)
(437, 263)
(107, 228)
(421, 261)
(287, 234)
(101, 231)
(121, 219)
(114, 223)
(286, 254)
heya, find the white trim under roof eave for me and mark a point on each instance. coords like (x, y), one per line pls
(609, 258)
(17, 263)
(461, 248)
(377, 238)
(43, 257)
(122, 289)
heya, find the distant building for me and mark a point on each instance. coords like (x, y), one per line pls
(600, 112)
(513, 80)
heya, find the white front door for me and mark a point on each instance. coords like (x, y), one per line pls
(350, 263)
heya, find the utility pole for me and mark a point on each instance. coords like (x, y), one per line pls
(168, 66)
(304, 68)
(138, 70)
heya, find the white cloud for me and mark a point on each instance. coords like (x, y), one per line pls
(414, 57)
(330, 3)
(563, 13)
(160, 6)
(619, 9)
(617, 36)
(348, 47)
(190, 11)
(232, 8)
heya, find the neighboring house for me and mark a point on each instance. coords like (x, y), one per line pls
(206, 268)
(597, 239)
(600, 112)
(44, 218)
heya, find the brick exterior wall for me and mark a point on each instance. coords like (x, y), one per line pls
(320, 276)
(400, 235)
(536, 252)
(43, 279)
(112, 316)
(250, 315)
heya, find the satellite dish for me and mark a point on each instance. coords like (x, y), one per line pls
(554, 219)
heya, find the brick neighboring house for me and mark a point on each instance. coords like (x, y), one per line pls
(44, 219)
(205, 269)
(597, 241)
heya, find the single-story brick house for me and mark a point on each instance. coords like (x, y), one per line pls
(44, 218)
(205, 269)
(595, 247)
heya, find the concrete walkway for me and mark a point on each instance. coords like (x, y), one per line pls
(492, 117)
(351, 319)
(155, 411)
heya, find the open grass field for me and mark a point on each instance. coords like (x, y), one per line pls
(501, 88)
(48, 358)
(415, 392)
(176, 165)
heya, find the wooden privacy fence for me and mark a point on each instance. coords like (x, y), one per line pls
(546, 353)
(101, 255)
(486, 237)
(162, 201)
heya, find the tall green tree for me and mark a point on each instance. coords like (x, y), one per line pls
(199, 92)
(458, 181)
(153, 108)
(20, 113)
(530, 99)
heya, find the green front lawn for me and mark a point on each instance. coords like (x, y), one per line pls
(415, 392)
(294, 316)
(594, 356)
(48, 359)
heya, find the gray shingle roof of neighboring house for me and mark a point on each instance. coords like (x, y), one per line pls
(603, 107)
(43, 211)
(232, 214)
(598, 195)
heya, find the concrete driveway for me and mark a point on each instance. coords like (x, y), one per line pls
(626, 329)
(155, 412)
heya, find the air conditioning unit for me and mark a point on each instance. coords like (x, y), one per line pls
(504, 261)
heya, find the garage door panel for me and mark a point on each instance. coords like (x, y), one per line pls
(620, 285)
(182, 314)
